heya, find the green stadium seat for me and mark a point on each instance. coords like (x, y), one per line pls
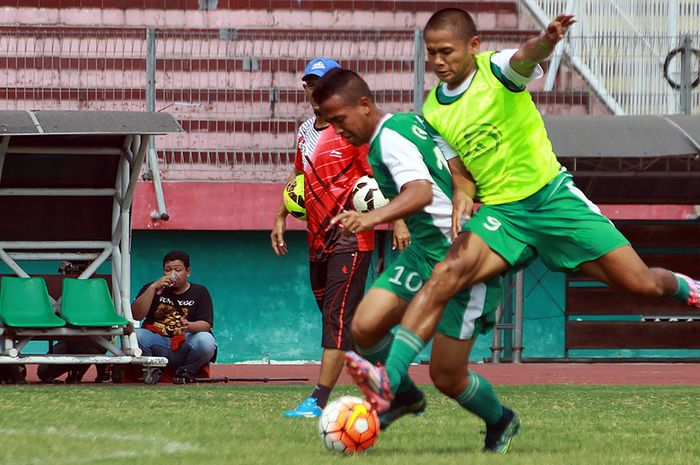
(87, 302)
(25, 303)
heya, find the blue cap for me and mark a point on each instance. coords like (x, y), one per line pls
(319, 67)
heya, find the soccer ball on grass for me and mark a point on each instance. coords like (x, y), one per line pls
(348, 425)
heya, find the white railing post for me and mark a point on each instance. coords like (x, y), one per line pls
(152, 168)
(418, 71)
(671, 102)
(579, 65)
(687, 76)
(619, 46)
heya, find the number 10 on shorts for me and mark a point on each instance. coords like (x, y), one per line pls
(411, 281)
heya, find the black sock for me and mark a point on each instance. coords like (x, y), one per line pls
(321, 393)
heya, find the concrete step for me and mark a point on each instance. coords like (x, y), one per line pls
(246, 13)
(492, 6)
(69, 58)
(229, 50)
(226, 166)
(222, 104)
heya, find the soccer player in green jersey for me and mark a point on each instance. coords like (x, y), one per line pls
(412, 171)
(500, 153)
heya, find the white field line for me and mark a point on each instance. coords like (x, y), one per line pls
(156, 445)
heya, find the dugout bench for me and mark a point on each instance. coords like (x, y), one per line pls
(600, 318)
(67, 182)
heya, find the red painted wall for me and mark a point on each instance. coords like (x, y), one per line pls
(211, 206)
(230, 206)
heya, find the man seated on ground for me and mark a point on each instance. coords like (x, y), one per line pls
(178, 316)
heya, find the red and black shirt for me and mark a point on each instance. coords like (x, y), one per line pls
(331, 167)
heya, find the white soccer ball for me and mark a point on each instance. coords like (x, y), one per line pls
(348, 425)
(366, 195)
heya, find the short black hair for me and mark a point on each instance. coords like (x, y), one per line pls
(177, 255)
(461, 22)
(343, 82)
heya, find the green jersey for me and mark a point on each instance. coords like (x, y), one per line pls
(401, 151)
(497, 132)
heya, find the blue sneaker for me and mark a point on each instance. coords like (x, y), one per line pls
(307, 409)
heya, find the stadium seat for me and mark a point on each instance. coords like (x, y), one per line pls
(87, 302)
(25, 303)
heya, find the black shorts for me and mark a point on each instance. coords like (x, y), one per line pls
(338, 284)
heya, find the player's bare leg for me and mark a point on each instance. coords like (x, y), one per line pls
(378, 312)
(331, 366)
(449, 372)
(469, 261)
(624, 270)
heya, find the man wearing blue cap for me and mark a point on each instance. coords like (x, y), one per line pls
(318, 67)
(338, 265)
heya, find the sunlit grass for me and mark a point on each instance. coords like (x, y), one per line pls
(225, 424)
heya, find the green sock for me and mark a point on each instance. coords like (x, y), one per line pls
(480, 399)
(404, 351)
(683, 291)
(379, 353)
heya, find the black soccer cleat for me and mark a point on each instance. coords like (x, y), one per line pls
(412, 401)
(500, 435)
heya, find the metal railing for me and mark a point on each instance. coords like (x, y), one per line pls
(238, 94)
(624, 49)
(240, 97)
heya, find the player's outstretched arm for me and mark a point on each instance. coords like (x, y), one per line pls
(414, 196)
(538, 49)
(464, 191)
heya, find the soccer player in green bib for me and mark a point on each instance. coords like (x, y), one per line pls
(412, 171)
(498, 150)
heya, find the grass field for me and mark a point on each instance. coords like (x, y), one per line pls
(226, 424)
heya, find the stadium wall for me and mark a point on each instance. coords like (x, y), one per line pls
(263, 305)
(264, 309)
(225, 227)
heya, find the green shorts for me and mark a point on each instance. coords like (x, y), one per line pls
(557, 223)
(470, 313)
